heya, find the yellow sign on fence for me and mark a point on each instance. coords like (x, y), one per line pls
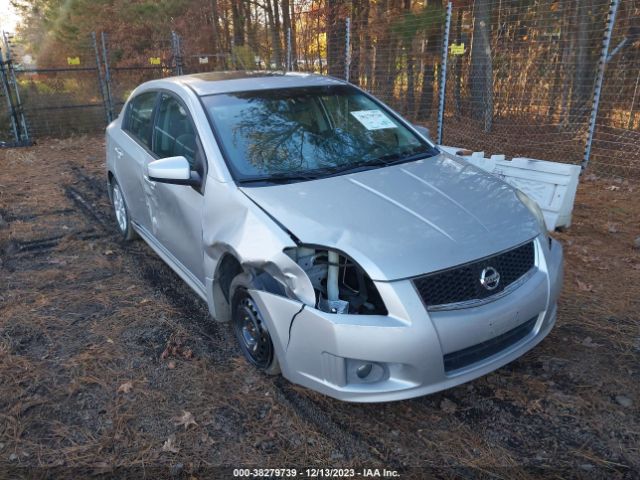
(456, 49)
(154, 60)
(73, 60)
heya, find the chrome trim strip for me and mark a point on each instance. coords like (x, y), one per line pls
(476, 302)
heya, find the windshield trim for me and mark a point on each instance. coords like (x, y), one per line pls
(374, 164)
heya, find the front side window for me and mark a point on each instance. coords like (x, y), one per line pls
(139, 117)
(305, 133)
(174, 133)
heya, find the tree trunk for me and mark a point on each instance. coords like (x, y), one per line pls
(356, 29)
(215, 24)
(409, 54)
(367, 48)
(275, 34)
(583, 72)
(278, 36)
(294, 37)
(318, 43)
(482, 66)
(288, 34)
(237, 13)
(380, 80)
(227, 37)
(251, 27)
(336, 39)
(432, 52)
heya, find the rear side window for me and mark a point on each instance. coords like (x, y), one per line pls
(139, 117)
(174, 133)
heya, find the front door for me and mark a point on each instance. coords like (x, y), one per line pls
(176, 210)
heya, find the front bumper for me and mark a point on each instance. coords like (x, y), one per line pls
(408, 347)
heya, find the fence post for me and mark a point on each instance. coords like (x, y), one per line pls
(604, 56)
(107, 75)
(94, 42)
(10, 74)
(347, 48)
(177, 54)
(4, 80)
(443, 73)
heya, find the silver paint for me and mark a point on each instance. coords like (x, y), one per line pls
(396, 222)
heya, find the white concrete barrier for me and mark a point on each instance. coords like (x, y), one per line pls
(552, 185)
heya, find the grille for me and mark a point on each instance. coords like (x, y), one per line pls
(462, 283)
(463, 358)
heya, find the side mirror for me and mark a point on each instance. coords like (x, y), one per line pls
(424, 131)
(175, 170)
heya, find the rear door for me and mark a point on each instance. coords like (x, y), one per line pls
(177, 209)
(133, 152)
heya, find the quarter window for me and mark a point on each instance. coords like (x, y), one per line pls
(139, 117)
(174, 134)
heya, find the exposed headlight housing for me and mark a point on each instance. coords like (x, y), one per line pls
(535, 209)
(341, 285)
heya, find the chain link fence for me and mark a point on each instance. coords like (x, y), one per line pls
(526, 85)
(549, 80)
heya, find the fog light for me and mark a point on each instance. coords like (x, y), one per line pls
(364, 371)
(359, 371)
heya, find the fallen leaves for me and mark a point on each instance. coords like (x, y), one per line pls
(170, 445)
(125, 387)
(585, 287)
(588, 342)
(447, 406)
(175, 348)
(613, 227)
(185, 419)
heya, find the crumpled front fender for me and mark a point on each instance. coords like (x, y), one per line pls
(253, 238)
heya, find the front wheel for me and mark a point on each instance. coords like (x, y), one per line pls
(121, 212)
(252, 334)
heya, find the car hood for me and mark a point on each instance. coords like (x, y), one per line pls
(403, 220)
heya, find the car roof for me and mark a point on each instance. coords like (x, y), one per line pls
(241, 81)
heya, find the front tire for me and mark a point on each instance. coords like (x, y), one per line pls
(123, 220)
(252, 334)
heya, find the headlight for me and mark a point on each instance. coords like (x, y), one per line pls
(341, 285)
(535, 209)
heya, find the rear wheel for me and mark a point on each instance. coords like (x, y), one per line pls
(252, 334)
(121, 212)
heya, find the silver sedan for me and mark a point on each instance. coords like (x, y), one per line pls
(347, 250)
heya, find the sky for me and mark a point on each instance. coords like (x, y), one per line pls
(8, 17)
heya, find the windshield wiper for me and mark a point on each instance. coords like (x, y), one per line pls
(280, 178)
(395, 158)
(357, 166)
(277, 178)
(310, 175)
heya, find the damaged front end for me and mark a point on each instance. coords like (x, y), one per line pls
(309, 338)
(340, 284)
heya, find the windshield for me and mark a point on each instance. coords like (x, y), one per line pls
(298, 134)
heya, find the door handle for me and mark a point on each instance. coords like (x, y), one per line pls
(118, 151)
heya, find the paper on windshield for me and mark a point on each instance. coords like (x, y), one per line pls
(373, 119)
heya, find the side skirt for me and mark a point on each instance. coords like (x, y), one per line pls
(195, 284)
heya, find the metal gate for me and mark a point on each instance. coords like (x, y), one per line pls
(13, 126)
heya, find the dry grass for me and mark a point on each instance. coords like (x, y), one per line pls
(102, 347)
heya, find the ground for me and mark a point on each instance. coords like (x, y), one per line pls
(108, 361)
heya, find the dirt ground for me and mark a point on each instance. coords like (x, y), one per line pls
(109, 364)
